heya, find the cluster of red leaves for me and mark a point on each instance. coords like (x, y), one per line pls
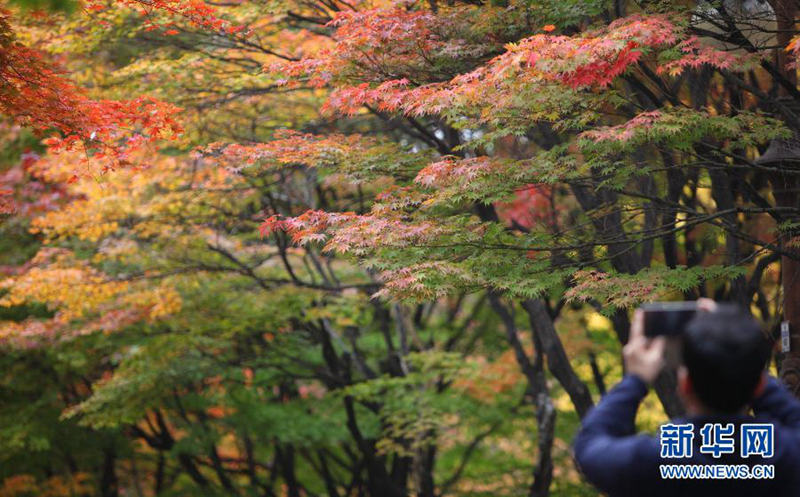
(110, 129)
(196, 12)
(288, 147)
(695, 54)
(36, 93)
(7, 205)
(350, 232)
(595, 58)
(379, 41)
(391, 58)
(307, 227)
(389, 96)
(498, 376)
(452, 170)
(531, 206)
(591, 59)
(625, 131)
(23, 191)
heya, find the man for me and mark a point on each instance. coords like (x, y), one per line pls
(720, 376)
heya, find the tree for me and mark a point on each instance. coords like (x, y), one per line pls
(376, 211)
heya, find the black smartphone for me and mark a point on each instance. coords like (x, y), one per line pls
(667, 318)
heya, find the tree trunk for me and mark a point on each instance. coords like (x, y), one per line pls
(785, 192)
(109, 485)
(557, 360)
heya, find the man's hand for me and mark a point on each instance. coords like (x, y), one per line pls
(707, 305)
(644, 357)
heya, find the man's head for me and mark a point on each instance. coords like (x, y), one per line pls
(723, 352)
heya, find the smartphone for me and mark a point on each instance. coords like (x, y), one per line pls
(667, 318)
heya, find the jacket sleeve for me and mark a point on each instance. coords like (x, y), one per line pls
(777, 403)
(607, 450)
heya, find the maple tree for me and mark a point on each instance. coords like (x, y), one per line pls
(383, 248)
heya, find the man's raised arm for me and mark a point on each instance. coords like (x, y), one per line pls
(606, 448)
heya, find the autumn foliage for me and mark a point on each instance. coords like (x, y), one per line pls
(382, 248)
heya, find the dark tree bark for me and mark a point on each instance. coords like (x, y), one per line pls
(537, 391)
(785, 191)
(557, 360)
(109, 485)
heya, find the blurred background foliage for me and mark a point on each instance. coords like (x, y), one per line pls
(444, 280)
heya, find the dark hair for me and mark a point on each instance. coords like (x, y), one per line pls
(725, 352)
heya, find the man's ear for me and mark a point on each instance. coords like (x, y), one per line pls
(684, 382)
(762, 384)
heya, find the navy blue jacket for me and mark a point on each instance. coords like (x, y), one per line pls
(619, 462)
